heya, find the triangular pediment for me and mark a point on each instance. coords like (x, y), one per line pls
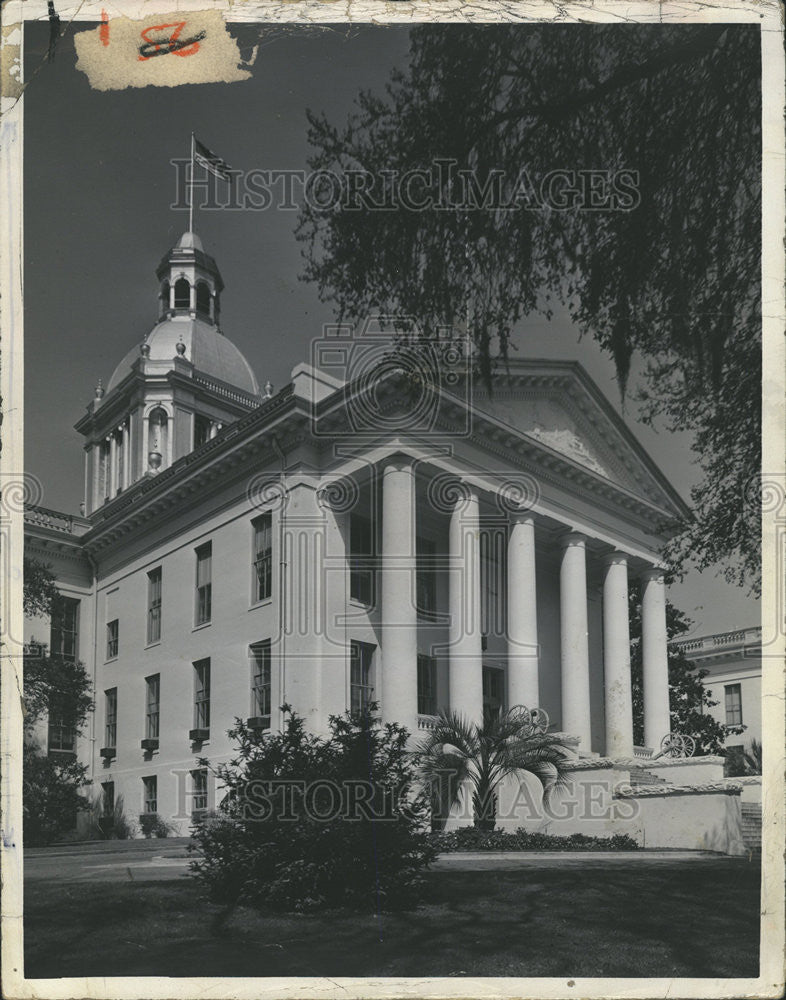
(559, 407)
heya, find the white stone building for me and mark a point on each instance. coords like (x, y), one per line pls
(377, 530)
(733, 661)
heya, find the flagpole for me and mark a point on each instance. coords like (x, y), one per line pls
(191, 189)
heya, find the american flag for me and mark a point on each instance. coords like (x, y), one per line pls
(211, 162)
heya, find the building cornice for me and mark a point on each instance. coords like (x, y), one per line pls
(289, 414)
(494, 436)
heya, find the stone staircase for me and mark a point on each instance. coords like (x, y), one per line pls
(751, 826)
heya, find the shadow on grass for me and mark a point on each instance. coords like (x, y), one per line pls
(649, 919)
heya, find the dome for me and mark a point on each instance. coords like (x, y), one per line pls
(209, 351)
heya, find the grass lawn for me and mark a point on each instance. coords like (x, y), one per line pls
(689, 918)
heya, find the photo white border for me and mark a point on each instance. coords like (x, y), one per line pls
(769, 15)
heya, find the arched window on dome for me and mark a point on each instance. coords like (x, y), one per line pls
(203, 298)
(182, 294)
(157, 439)
(164, 299)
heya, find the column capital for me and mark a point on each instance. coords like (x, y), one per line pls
(523, 516)
(572, 538)
(397, 463)
(653, 573)
(615, 558)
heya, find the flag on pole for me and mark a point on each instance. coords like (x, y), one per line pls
(211, 162)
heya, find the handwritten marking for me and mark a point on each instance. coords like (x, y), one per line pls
(175, 45)
(104, 29)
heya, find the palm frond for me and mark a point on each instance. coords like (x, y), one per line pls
(484, 755)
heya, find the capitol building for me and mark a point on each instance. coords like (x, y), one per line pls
(381, 529)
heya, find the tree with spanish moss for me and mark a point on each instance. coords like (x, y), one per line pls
(670, 278)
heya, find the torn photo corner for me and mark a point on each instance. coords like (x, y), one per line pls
(392, 499)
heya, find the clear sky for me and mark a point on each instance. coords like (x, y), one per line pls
(98, 186)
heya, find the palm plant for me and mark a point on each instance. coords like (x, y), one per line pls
(752, 758)
(457, 751)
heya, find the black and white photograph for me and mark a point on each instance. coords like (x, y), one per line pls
(393, 511)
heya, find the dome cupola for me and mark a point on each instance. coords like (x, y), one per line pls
(189, 282)
(174, 391)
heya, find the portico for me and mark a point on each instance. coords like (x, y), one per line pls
(538, 559)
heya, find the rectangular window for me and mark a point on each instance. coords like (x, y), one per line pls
(263, 557)
(202, 694)
(733, 694)
(64, 630)
(204, 596)
(493, 692)
(61, 736)
(154, 605)
(108, 797)
(492, 582)
(201, 430)
(199, 789)
(152, 706)
(150, 787)
(361, 553)
(110, 717)
(426, 578)
(112, 639)
(261, 696)
(427, 685)
(361, 676)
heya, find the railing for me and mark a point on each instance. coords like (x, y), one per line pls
(46, 518)
(222, 389)
(644, 752)
(710, 643)
(427, 721)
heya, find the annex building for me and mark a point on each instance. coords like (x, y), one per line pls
(383, 529)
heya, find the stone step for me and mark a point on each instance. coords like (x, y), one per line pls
(751, 826)
(643, 777)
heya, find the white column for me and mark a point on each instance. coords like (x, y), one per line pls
(655, 662)
(398, 683)
(112, 465)
(464, 630)
(522, 613)
(126, 454)
(574, 644)
(95, 454)
(616, 658)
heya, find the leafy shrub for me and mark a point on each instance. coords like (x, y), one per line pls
(153, 825)
(110, 826)
(470, 838)
(51, 795)
(311, 822)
